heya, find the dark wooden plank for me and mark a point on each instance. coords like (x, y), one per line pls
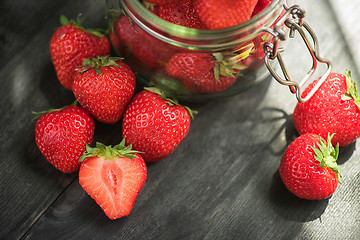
(222, 183)
(348, 17)
(28, 184)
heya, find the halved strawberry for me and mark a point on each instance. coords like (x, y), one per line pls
(113, 177)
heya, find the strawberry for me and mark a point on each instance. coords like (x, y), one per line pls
(113, 177)
(104, 87)
(138, 47)
(62, 134)
(261, 5)
(70, 44)
(334, 108)
(124, 29)
(308, 167)
(181, 13)
(218, 14)
(157, 52)
(203, 73)
(155, 125)
(115, 41)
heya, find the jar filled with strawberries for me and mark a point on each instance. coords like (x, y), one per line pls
(196, 50)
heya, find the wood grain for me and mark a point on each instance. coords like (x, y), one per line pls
(221, 183)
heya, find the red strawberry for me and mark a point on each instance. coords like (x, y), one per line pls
(217, 14)
(124, 29)
(62, 134)
(115, 41)
(308, 167)
(261, 5)
(70, 45)
(113, 177)
(157, 52)
(181, 13)
(201, 72)
(155, 125)
(104, 88)
(334, 108)
(142, 50)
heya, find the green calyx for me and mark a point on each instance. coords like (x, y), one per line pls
(352, 90)
(39, 114)
(228, 63)
(327, 155)
(97, 32)
(97, 62)
(112, 15)
(109, 152)
(170, 101)
(148, 5)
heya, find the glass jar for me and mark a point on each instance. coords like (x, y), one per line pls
(191, 64)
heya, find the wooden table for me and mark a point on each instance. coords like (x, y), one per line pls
(221, 183)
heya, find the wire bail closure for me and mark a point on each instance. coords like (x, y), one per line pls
(293, 19)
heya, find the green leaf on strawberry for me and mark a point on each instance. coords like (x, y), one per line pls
(327, 155)
(97, 62)
(352, 90)
(226, 65)
(109, 152)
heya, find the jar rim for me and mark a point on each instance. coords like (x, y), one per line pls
(199, 39)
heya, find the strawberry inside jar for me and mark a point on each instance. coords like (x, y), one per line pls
(194, 50)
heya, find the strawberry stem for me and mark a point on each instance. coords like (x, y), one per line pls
(109, 152)
(352, 90)
(97, 62)
(148, 5)
(327, 155)
(227, 64)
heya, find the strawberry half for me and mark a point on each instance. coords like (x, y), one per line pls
(308, 167)
(62, 134)
(113, 177)
(70, 44)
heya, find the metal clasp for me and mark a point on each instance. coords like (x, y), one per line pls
(293, 19)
